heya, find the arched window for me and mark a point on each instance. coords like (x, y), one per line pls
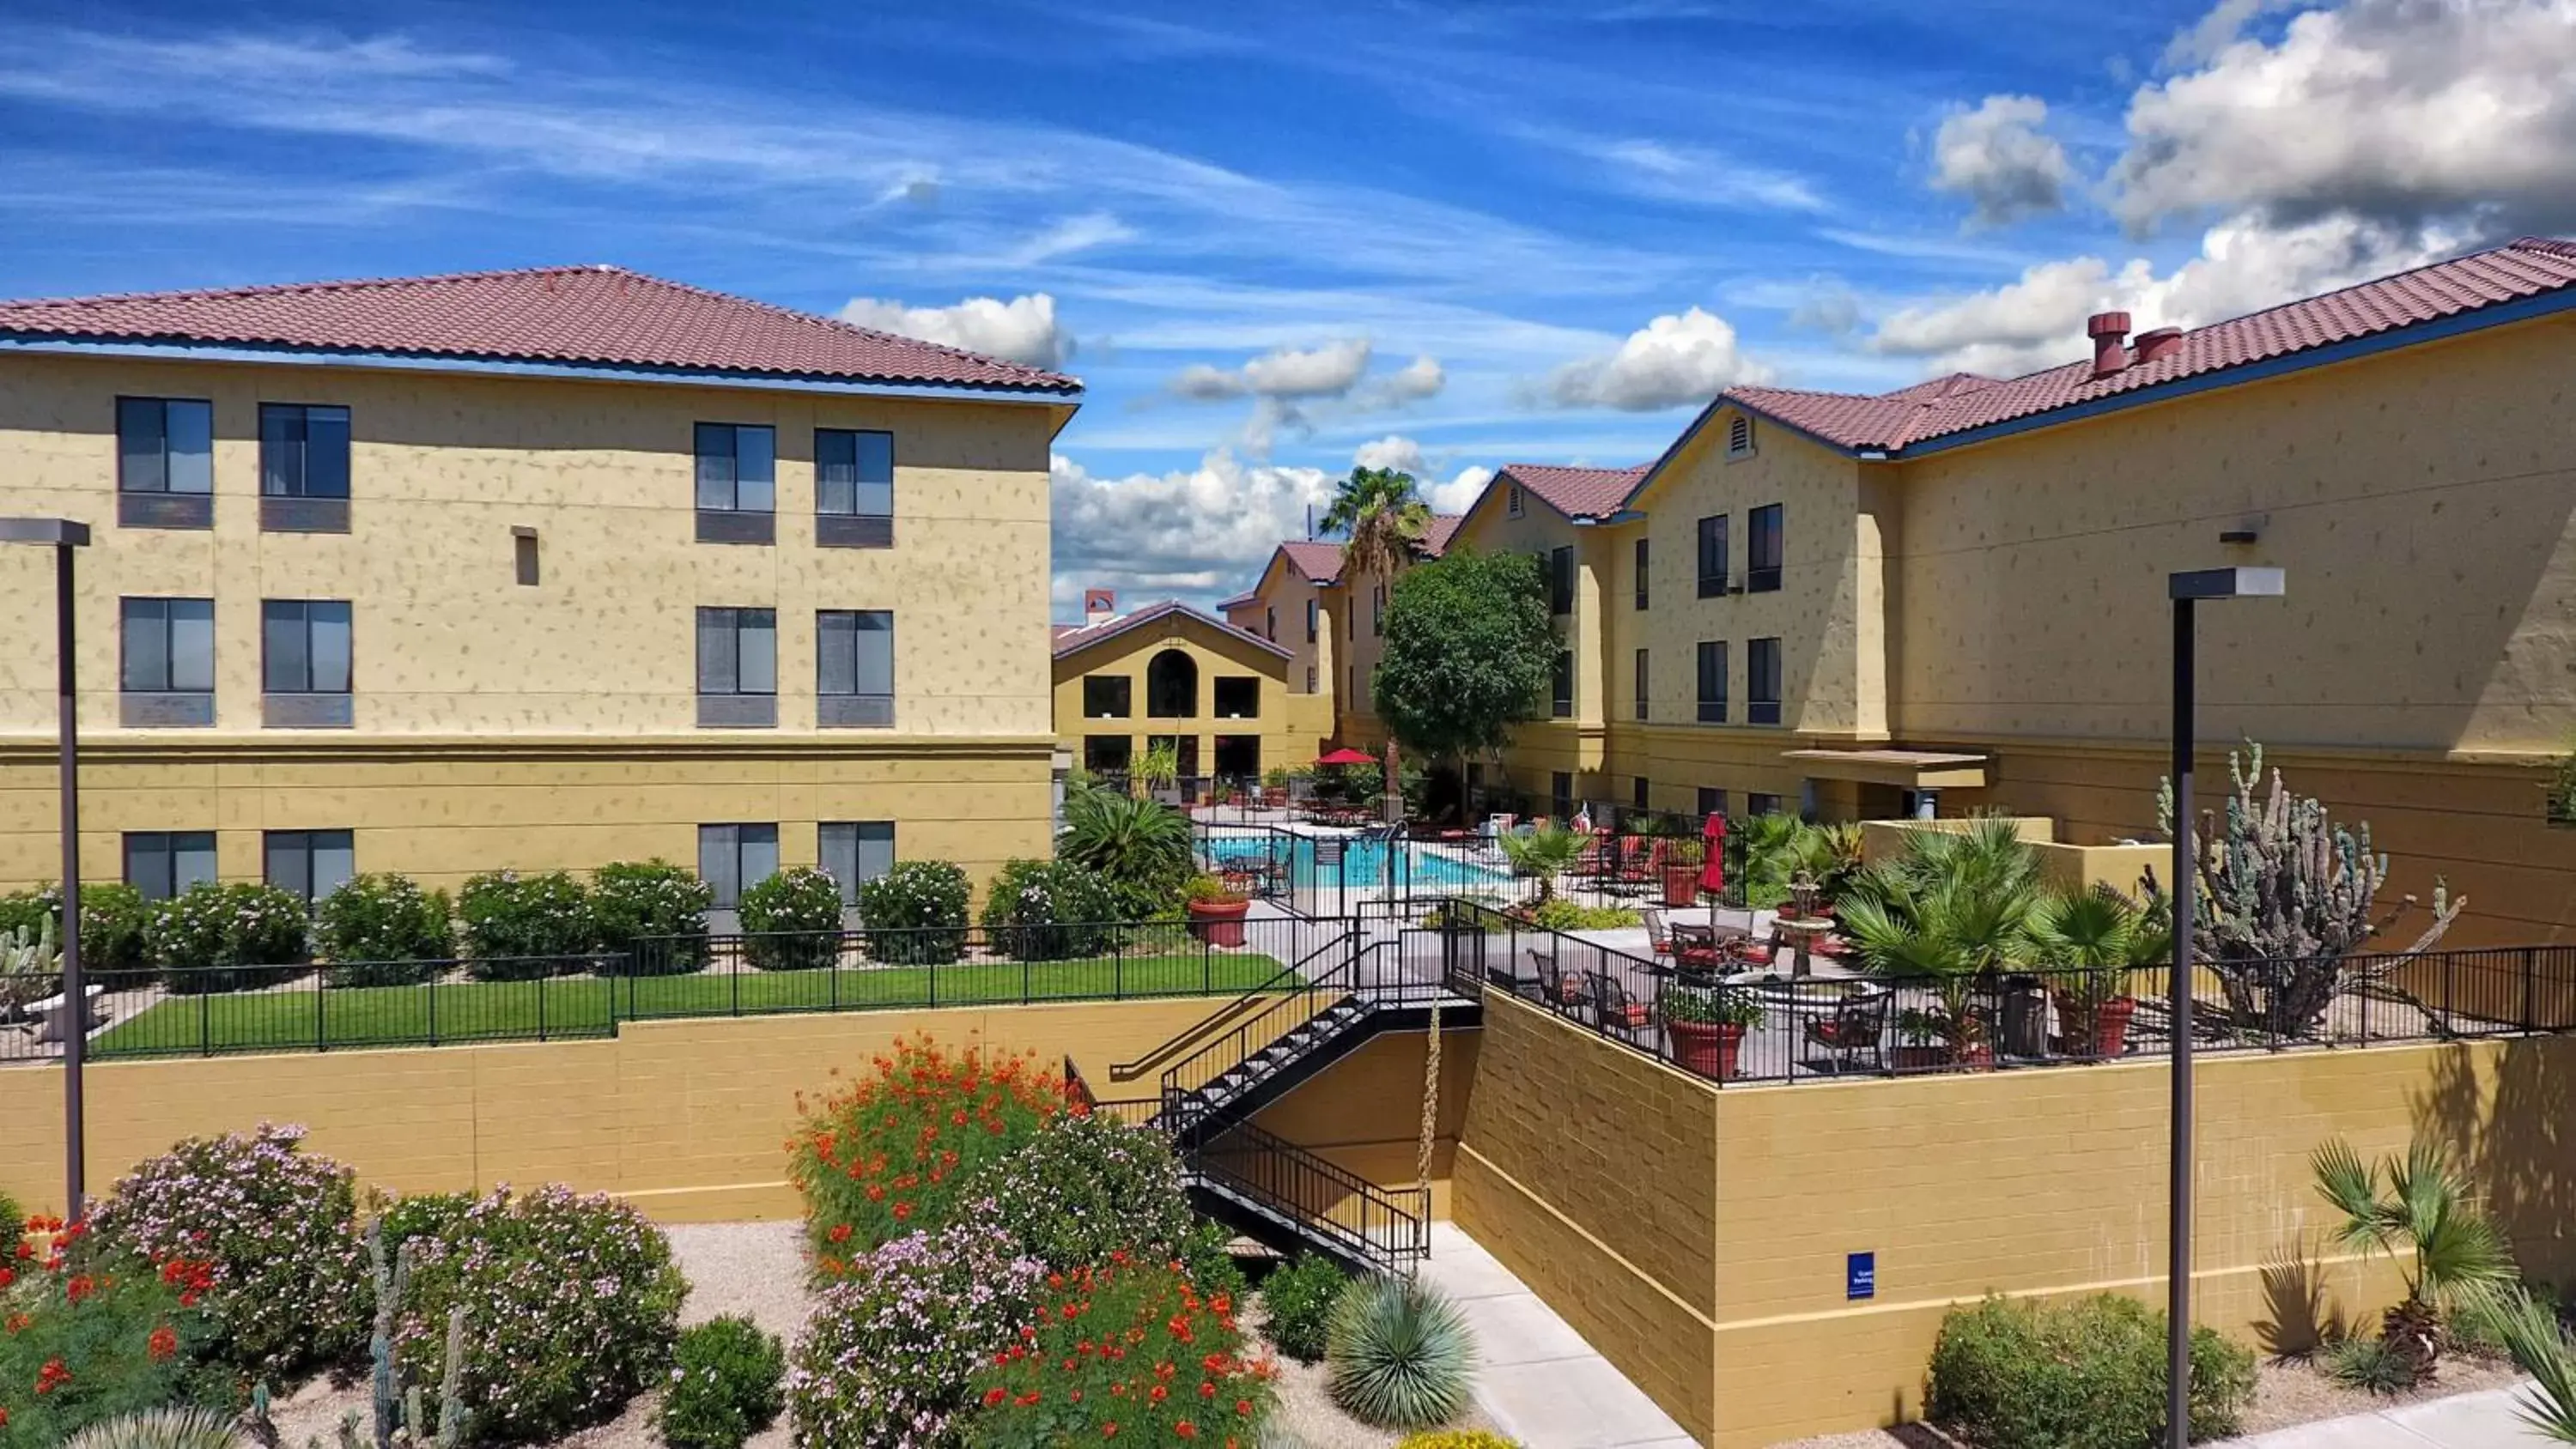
(1172, 686)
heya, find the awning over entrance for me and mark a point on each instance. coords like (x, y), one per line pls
(1905, 769)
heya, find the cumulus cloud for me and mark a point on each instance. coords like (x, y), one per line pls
(1421, 378)
(1403, 454)
(1283, 372)
(2406, 112)
(1687, 357)
(1998, 157)
(1199, 533)
(1023, 329)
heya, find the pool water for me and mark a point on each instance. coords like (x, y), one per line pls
(1364, 863)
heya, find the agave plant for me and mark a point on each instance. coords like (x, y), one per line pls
(174, 1428)
(1546, 853)
(1399, 1354)
(2418, 1205)
(2540, 1348)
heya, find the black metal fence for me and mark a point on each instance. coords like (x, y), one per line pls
(1381, 870)
(1749, 1027)
(308, 1007)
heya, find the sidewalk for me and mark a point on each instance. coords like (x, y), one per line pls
(2465, 1421)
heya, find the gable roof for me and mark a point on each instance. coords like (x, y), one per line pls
(1086, 636)
(2477, 289)
(1241, 600)
(1320, 561)
(581, 316)
(1444, 527)
(1582, 494)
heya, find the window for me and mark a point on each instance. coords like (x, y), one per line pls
(1270, 624)
(1560, 794)
(737, 483)
(303, 468)
(1560, 580)
(165, 863)
(1561, 687)
(1637, 793)
(1762, 568)
(854, 668)
(1237, 696)
(1762, 681)
(1637, 687)
(731, 857)
(311, 863)
(168, 669)
(1712, 557)
(523, 556)
(1712, 681)
(1172, 686)
(737, 667)
(1238, 760)
(165, 463)
(1108, 754)
(1358, 700)
(1739, 436)
(1512, 501)
(1107, 696)
(854, 852)
(1312, 608)
(1377, 611)
(1641, 573)
(1310, 679)
(1759, 804)
(853, 487)
(305, 663)
(1710, 802)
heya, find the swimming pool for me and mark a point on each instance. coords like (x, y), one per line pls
(1364, 864)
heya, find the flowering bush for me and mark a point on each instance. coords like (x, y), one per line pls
(1086, 1187)
(1128, 1349)
(233, 937)
(279, 1227)
(381, 930)
(113, 916)
(724, 1385)
(889, 1154)
(652, 912)
(571, 1305)
(1048, 910)
(885, 1359)
(916, 913)
(518, 927)
(794, 920)
(88, 1335)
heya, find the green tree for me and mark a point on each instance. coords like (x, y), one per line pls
(1468, 653)
(1384, 520)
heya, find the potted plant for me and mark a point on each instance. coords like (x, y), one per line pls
(1274, 787)
(1682, 860)
(1216, 910)
(1159, 771)
(2093, 941)
(1707, 1026)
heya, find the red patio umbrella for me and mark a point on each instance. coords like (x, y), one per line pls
(1347, 756)
(1712, 871)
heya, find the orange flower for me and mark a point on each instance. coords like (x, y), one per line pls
(1186, 1429)
(163, 1343)
(995, 1396)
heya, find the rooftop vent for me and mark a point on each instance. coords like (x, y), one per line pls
(2158, 345)
(2109, 331)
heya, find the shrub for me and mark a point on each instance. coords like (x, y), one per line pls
(520, 927)
(885, 1358)
(179, 1428)
(383, 930)
(277, 1225)
(1299, 1299)
(114, 916)
(92, 1340)
(1399, 1354)
(234, 937)
(891, 1153)
(2084, 1374)
(1130, 1349)
(793, 919)
(724, 1385)
(653, 913)
(1048, 910)
(916, 913)
(1141, 847)
(571, 1305)
(13, 1223)
(1084, 1187)
(1558, 913)
(423, 1215)
(1207, 1255)
(2367, 1362)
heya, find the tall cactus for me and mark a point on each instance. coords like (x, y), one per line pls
(392, 1279)
(451, 1388)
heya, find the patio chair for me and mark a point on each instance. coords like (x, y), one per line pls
(1853, 1030)
(1614, 1008)
(1659, 931)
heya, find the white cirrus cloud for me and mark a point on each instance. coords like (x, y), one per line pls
(1998, 156)
(1678, 358)
(1023, 329)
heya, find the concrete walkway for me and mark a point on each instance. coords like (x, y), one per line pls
(2464, 1421)
(1538, 1380)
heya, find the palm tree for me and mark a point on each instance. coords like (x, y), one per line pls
(1547, 852)
(2090, 942)
(1142, 847)
(1385, 523)
(2460, 1260)
(1958, 908)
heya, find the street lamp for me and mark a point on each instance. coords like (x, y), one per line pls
(63, 535)
(2187, 589)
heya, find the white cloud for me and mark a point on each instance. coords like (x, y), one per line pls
(1688, 357)
(2407, 112)
(1998, 157)
(1330, 370)
(1073, 234)
(1200, 532)
(1416, 380)
(1395, 451)
(2222, 27)
(1403, 454)
(1023, 329)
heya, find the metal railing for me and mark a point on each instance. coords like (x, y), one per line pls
(1749, 1027)
(1388, 1228)
(1379, 870)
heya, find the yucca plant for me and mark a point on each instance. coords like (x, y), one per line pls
(177, 1428)
(2419, 1206)
(1399, 1354)
(2540, 1348)
(1545, 853)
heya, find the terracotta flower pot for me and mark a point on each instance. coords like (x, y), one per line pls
(1708, 1048)
(2099, 1031)
(1218, 923)
(1681, 885)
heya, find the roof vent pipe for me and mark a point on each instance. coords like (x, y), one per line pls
(2109, 331)
(2158, 345)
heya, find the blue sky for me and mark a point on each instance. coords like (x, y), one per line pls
(1274, 239)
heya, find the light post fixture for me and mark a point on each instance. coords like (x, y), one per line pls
(2188, 589)
(63, 535)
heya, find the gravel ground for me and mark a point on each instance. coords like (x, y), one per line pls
(1306, 1417)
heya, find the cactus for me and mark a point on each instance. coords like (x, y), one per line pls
(349, 1430)
(2285, 901)
(452, 1417)
(392, 1280)
(257, 1423)
(31, 967)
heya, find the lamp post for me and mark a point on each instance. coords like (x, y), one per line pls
(63, 535)
(2188, 589)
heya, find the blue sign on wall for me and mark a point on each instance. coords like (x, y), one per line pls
(1860, 1276)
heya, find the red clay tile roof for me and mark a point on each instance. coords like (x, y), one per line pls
(1444, 527)
(1084, 636)
(1320, 562)
(580, 315)
(1961, 402)
(1576, 492)
(1247, 597)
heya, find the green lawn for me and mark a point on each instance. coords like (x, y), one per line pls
(302, 1016)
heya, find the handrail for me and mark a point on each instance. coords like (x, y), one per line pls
(1129, 1070)
(1385, 1227)
(1338, 983)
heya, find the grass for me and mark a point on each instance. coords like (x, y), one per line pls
(302, 1017)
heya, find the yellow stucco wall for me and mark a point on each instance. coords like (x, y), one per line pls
(1290, 724)
(1284, 590)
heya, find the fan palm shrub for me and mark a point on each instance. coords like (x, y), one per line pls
(1544, 854)
(2089, 943)
(1399, 1354)
(2419, 1208)
(1140, 847)
(1771, 857)
(1955, 910)
(2531, 1333)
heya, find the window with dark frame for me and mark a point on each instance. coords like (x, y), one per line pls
(737, 482)
(1311, 611)
(1310, 679)
(1270, 624)
(1560, 793)
(165, 462)
(854, 668)
(1762, 681)
(1377, 611)
(1640, 570)
(737, 667)
(1561, 685)
(1759, 804)
(1712, 681)
(853, 488)
(303, 468)
(733, 857)
(1560, 580)
(1712, 557)
(1637, 792)
(311, 863)
(1763, 550)
(1108, 696)
(306, 663)
(1236, 696)
(854, 852)
(1710, 802)
(162, 864)
(1108, 754)
(166, 668)
(1638, 686)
